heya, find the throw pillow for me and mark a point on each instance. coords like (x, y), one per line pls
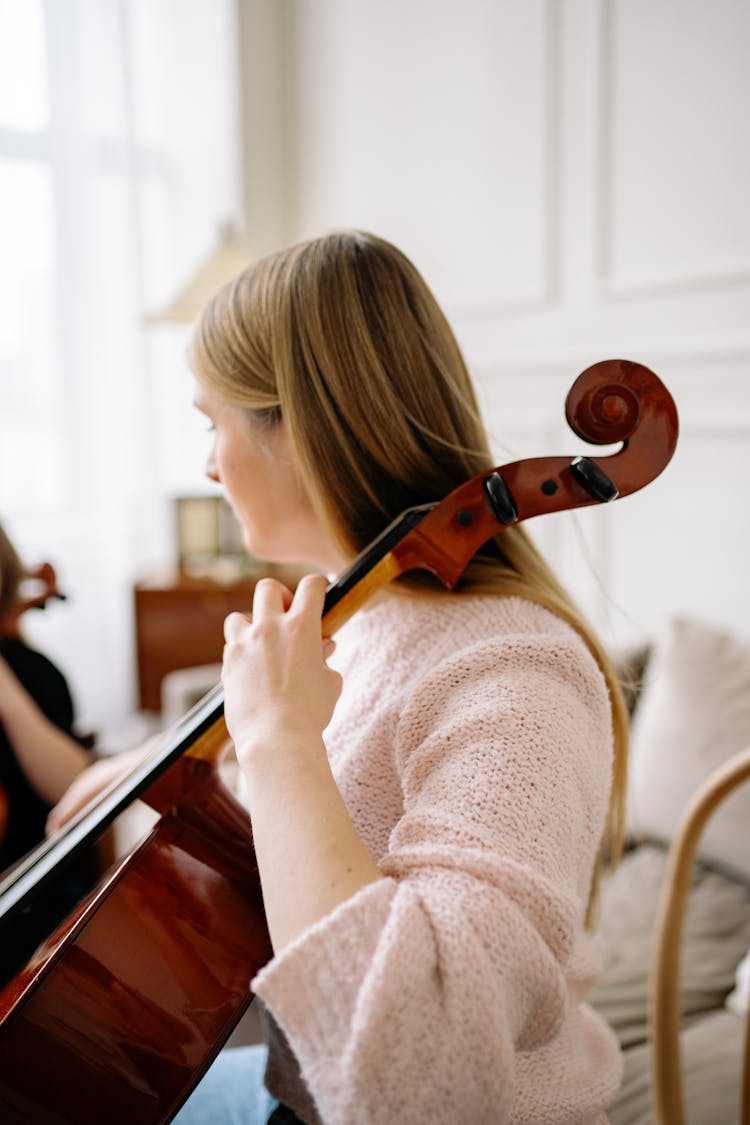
(694, 713)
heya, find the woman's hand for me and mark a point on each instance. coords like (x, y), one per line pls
(279, 696)
(94, 780)
(278, 689)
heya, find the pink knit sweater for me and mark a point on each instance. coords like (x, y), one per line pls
(472, 746)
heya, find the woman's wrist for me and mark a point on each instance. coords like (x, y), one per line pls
(309, 854)
(283, 752)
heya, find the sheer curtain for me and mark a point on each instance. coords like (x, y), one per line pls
(119, 159)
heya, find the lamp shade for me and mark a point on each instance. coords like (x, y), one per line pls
(229, 257)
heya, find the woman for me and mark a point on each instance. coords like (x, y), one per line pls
(40, 756)
(427, 809)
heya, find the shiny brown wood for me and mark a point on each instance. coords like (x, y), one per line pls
(179, 623)
(379, 576)
(120, 1012)
(612, 401)
(665, 1016)
(45, 577)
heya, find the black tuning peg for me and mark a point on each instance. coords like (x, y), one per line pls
(593, 479)
(500, 499)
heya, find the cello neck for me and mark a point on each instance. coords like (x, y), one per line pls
(200, 734)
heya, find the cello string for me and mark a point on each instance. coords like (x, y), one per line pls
(28, 877)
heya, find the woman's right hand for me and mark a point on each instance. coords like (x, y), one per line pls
(94, 780)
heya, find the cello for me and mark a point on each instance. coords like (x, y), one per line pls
(128, 1002)
(42, 587)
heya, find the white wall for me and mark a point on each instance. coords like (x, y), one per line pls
(572, 178)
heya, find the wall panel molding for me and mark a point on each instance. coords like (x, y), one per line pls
(648, 282)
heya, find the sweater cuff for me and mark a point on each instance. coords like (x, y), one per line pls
(311, 986)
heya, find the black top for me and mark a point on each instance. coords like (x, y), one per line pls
(27, 811)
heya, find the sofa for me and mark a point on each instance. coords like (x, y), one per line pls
(690, 698)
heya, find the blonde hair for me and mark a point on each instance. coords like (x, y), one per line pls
(342, 338)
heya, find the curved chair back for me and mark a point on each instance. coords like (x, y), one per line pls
(666, 1073)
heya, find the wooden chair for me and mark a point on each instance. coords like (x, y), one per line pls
(665, 1013)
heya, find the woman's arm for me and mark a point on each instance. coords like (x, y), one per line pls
(90, 782)
(280, 697)
(49, 757)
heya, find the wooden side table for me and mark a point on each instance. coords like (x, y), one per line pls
(179, 624)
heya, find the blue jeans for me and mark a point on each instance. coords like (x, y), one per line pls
(231, 1092)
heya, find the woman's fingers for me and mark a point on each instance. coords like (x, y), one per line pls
(274, 673)
(234, 626)
(270, 598)
(309, 596)
(309, 601)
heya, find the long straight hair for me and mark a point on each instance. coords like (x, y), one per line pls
(341, 337)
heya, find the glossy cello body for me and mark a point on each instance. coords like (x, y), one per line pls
(137, 991)
(121, 1011)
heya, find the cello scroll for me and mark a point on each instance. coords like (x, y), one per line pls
(612, 401)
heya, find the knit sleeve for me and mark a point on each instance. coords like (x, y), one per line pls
(411, 1001)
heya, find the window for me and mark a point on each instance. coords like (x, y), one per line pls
(30, 444)
(117, 164)
(119, 160)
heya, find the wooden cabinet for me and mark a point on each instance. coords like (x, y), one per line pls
(179, 624)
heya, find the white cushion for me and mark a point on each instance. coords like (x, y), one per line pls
(715, 935)
(739, 998)
(184, 687)
(693, 714)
